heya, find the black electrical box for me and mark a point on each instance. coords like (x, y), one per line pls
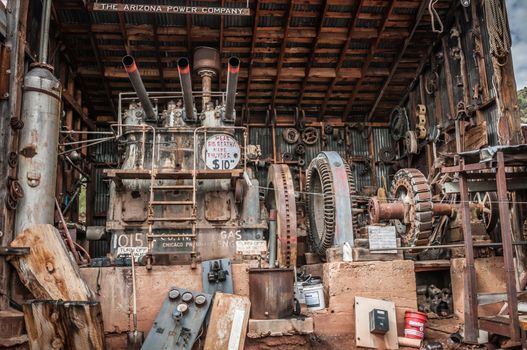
(379, 321)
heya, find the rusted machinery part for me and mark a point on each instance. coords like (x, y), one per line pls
(411, 143)
(387, 154)
(411, 187)
(300, 149)
(291, 135)
(399, 124)
(322, 203)
(281, 196)
(310, 135)
(487, 207)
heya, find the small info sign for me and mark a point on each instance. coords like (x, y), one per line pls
(171, 9)
(251, 247)
(382, 238)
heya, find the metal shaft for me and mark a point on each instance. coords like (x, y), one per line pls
(44, 31)
(272, 238)
(139, 87)
(232, 83)
(183, 66)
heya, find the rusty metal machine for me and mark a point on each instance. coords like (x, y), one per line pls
(184, 187)
(414, 212)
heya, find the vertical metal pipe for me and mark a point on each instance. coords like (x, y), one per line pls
(232, 83)
(44, 32)
(206, 85)
(183, 66)
(272, 238)
(38, 148)
(139, 87)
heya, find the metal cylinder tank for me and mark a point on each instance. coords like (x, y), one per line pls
(38, 147)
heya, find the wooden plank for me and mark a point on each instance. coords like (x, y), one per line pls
(363, 337)
(228, 322)
(48, 271)
(431, 265)
(363, 254)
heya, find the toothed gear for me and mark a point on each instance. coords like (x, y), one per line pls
(281, 196)
(411, 187)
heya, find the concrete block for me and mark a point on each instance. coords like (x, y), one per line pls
(490, 278)
(279, 327)
(343, 281)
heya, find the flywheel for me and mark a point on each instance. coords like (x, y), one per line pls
(411, 187)
(330, 210)
(281, 197)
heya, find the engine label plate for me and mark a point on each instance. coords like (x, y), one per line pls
(222, 152)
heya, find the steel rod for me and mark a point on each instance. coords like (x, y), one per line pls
(44, 31)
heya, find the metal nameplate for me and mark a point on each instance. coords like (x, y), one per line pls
(171, 9)
(381, 238)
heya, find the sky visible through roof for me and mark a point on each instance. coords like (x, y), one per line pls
(517, 11)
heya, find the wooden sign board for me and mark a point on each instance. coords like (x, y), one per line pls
(171, 9)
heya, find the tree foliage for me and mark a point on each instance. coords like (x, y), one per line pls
(522, 102)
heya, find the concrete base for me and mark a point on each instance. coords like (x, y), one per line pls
(490, 278)
(343, 281)
(278, 328)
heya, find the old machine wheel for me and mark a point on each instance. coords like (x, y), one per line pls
(281, 197)
(330, 211)
(488, 212)
(411, 187)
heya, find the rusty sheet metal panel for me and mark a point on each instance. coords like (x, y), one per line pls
(271, 293)
(381, 139)
(360, 148)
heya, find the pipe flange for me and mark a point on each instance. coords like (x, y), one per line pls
(310, 136)
(291, 135)
(12, 159)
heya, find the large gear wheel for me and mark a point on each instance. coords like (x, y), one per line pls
(411, 187)
(330, 209)
(281, 197)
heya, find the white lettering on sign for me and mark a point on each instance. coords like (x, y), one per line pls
(252, 247)
(132, 251)
(171, 9)
(222, 152)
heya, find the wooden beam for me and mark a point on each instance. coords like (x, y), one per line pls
(122, 26)
(282, 51)
(188, 19)
(342, 56)
(157, 50)
(100, 66)
(253, 44)
(313, 53)
(369, 59)
(395, 64)
(70, 101)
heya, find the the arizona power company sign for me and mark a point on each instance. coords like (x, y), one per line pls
(175, 9)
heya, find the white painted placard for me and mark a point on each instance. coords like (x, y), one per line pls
(222, 152)
(251, 247)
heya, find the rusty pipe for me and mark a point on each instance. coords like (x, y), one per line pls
(139, 87)
(232, 83)
(384, 211)
(183, 67)
(440, 209)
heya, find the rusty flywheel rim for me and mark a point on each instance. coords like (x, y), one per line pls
(281, 196)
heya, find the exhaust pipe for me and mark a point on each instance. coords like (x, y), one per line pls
(232, 83)
(183, 67)
(139, 87)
